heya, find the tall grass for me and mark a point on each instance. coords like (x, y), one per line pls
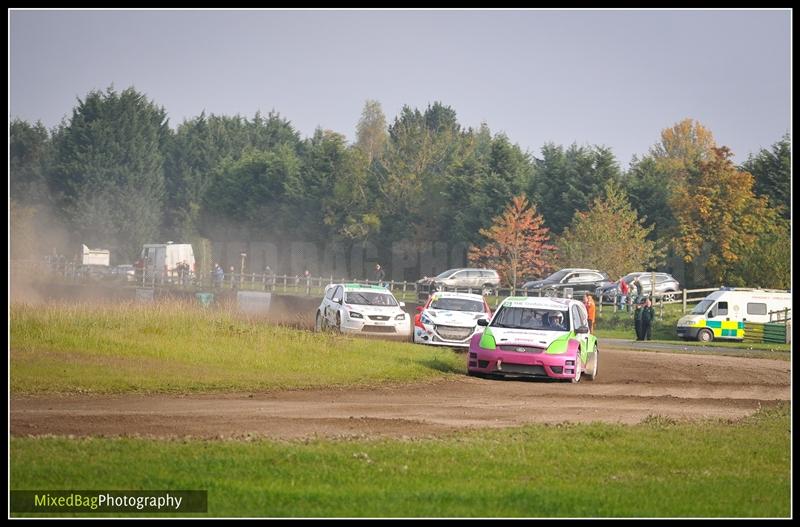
(179, 346)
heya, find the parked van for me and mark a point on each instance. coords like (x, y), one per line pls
(95, 256)
(162, 260)
(722, 314)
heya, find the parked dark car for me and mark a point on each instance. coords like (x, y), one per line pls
(666, 286)
(579, 280)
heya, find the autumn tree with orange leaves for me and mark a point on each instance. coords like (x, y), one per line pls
(718, 213)
(517, 244)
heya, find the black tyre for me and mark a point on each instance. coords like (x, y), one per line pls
(705, 335)
(594, 361)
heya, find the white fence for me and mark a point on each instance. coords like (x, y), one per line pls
(315, 285)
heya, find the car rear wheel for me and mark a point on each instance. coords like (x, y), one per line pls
(705, 335)
(668, 296)
(549, 292)
(318, 322)
(486, 289)
(339, 322)
(591, 373)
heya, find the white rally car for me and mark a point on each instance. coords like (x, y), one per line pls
(366, 309)
(450, 319)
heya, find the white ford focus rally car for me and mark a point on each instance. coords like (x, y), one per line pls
(365, 309)
(450, 319)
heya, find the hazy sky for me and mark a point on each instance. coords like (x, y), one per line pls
(615, 78)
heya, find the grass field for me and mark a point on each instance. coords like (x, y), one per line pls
(174, 347)
(658, 468)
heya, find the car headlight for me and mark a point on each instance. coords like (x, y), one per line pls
(426, 320)
(353, 314)
(401, 316)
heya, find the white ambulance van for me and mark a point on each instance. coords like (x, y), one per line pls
(722, 314)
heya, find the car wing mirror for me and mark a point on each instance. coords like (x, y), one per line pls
(582, 329)
(402, 304)
(337, 300)
(483, 322)
(419, 309)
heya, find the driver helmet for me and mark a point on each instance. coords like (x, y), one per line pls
(556, 318)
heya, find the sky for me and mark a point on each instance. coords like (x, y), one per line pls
(612, 78)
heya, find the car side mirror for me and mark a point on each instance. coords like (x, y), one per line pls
(483, 322)
(582, 329)
(402, 304)
(419, 309)
(337, 300)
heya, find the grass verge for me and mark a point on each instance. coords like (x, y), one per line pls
(180, 347)
(658, 468)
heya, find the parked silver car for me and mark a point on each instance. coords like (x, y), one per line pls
(463, 278)
(666, 286)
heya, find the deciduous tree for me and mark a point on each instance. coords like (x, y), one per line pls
(517, 243)
(608, 236)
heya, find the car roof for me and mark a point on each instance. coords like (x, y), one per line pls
(537, 302)
(468, 296)
(358, 288)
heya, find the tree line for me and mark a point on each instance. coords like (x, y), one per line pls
(115, 175)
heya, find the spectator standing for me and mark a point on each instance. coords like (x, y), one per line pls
(648, 315)
(637, 320)
(380, 275)
(588, 301)
(218, 275)
(623, 294)
(269, 278)
(636, 284)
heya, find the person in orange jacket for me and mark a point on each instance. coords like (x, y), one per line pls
(589, 303)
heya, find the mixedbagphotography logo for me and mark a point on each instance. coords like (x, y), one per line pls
(159, 501)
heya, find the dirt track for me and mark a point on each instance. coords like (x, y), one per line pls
(630, 386)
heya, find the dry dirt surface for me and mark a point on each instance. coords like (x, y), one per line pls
(630, 387)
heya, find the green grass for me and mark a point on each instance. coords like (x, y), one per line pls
(177, 347)
(658, 468)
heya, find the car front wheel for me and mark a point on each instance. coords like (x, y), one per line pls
(705, 335)
(591, 373)
(578, 368)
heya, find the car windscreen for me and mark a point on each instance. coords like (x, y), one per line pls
(530, 318)
(702, 307)
(557, 276)
(446, 273)
(367, 298)
(457, 304)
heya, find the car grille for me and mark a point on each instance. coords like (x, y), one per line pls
(523, 369)
(378, 329)
(378, 317)
(453, 332)
(521, 349)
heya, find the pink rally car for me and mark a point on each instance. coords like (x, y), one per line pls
(535, 337)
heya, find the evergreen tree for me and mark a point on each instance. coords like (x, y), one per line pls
(108, 170)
